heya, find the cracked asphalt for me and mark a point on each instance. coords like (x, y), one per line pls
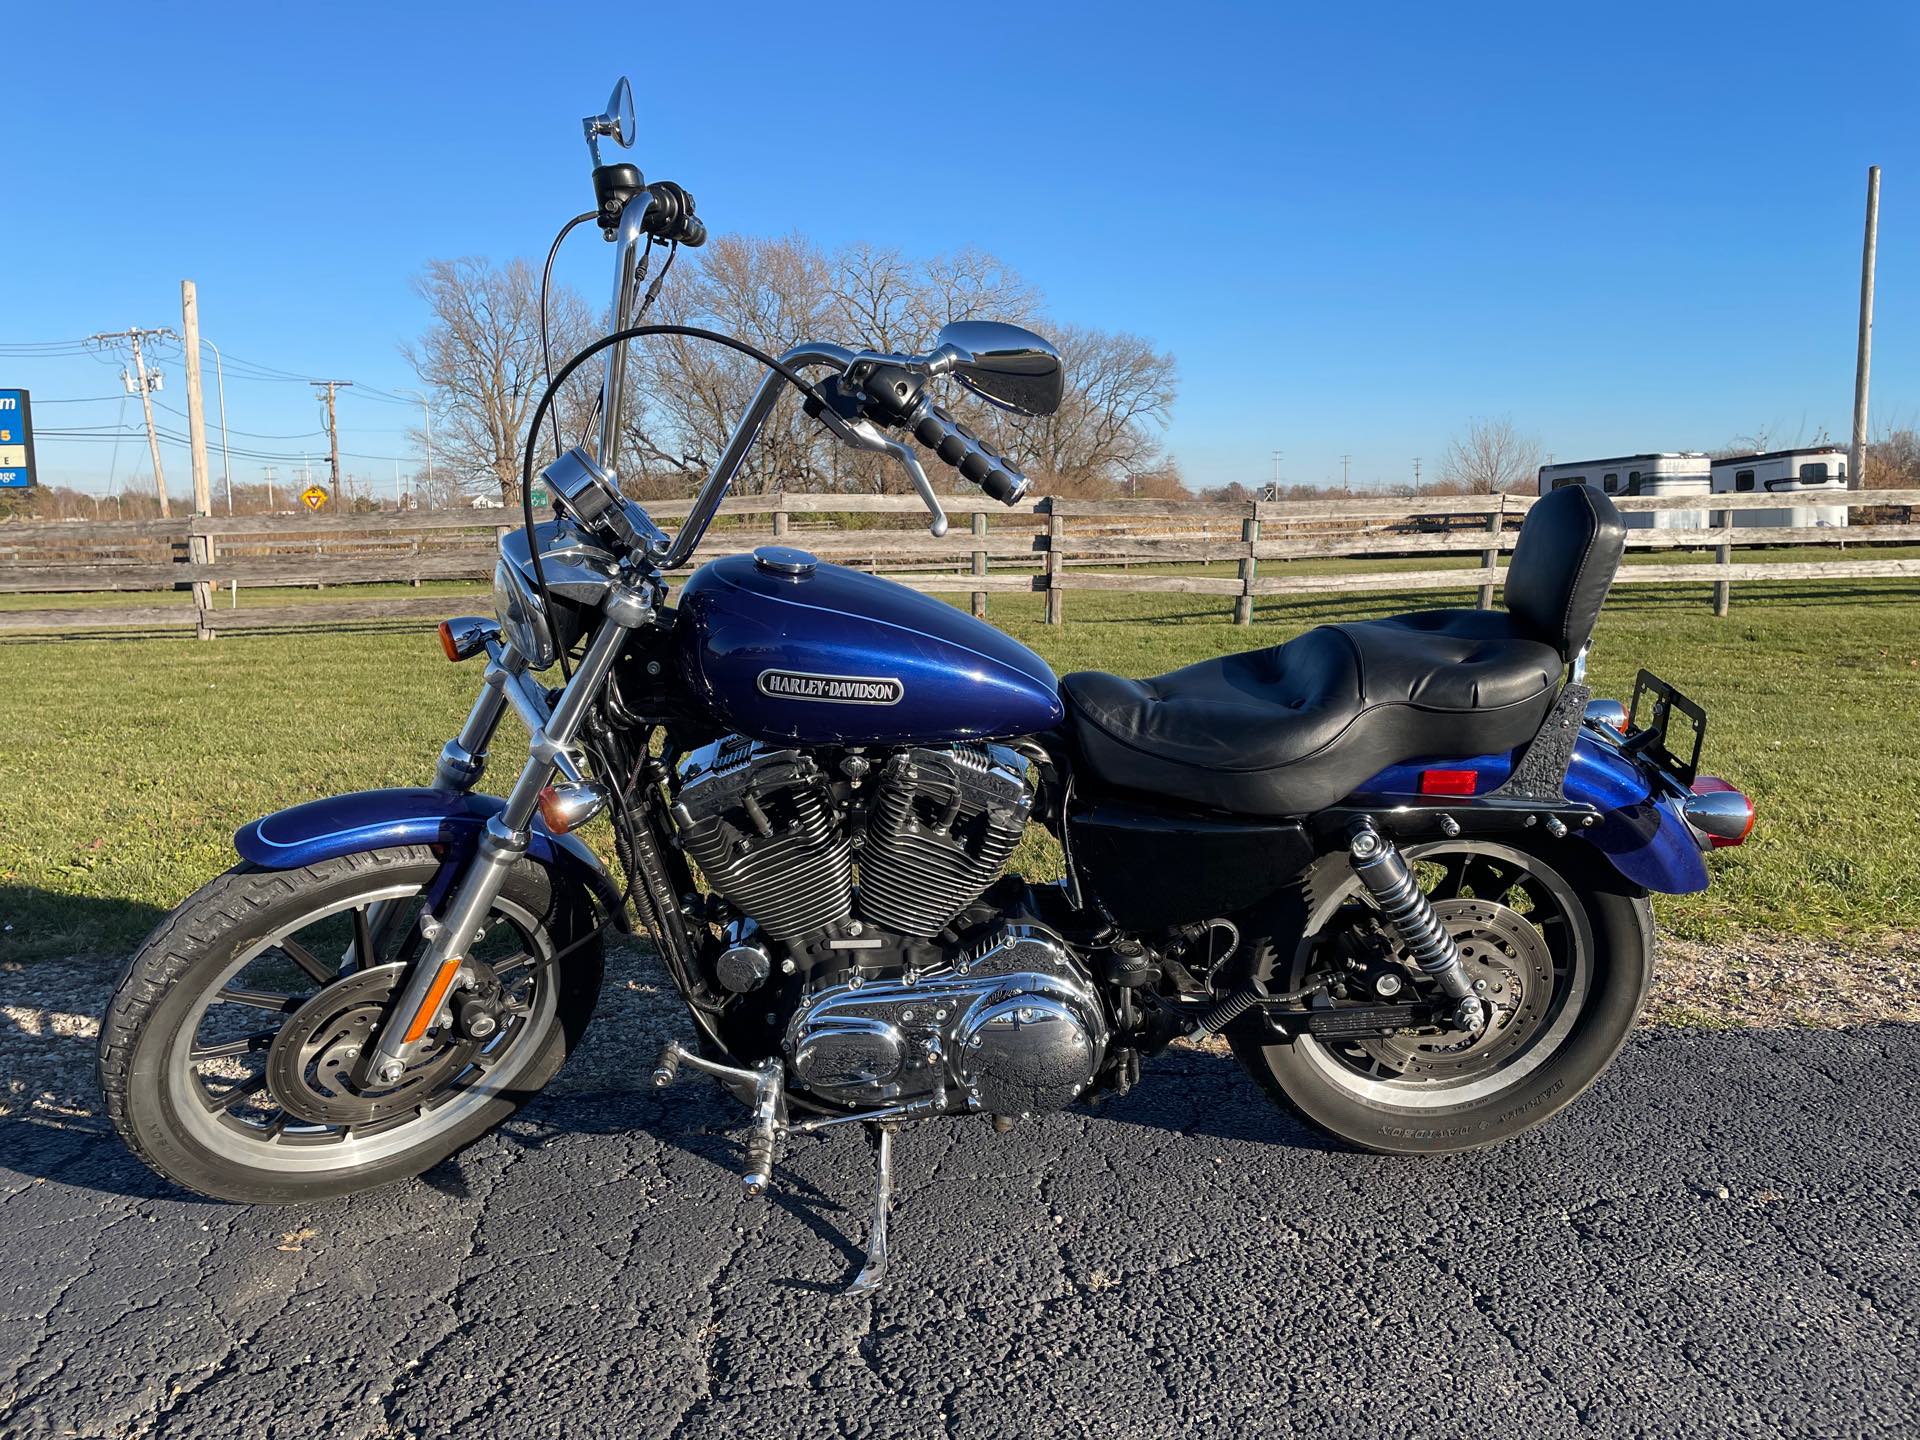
(1723, 1238)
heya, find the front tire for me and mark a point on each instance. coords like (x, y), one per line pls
(1396, 1097)
(221, 1051)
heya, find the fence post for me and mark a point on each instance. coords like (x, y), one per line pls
(1056, 562)
(1249, 532)
(1490, 557)
(1723, 555)
(780, 515)
(980, 562)
(200, 552)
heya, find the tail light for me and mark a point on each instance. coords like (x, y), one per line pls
(1719, 814)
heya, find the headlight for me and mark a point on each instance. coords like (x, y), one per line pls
(522, 619)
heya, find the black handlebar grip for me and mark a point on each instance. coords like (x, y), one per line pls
(693, 232)
(968, 453)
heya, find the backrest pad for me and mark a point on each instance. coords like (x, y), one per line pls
(1563, 564)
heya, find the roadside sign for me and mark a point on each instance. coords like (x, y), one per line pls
(539, 497)
(16, 440)
(313, 497)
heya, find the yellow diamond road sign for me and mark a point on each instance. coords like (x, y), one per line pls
(313, 497)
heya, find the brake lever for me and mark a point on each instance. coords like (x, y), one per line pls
(865, 435)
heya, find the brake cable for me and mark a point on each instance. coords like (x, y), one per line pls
(546, 281)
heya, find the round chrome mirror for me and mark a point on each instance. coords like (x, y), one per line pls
(616, 121)
(620, 109)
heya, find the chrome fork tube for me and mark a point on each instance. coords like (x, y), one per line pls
(463, 759)
(454, 931)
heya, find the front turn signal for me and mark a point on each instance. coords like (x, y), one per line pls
(566, 808)
(467, 636)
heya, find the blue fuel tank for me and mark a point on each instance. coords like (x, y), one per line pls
(781, 647)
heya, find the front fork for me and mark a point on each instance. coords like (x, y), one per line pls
(431, 979)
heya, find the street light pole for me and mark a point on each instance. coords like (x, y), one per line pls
(220, 385)
(426, 411)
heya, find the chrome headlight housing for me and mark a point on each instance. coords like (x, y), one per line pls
(523, 620)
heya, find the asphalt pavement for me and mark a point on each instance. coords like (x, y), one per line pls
(1723, 1238)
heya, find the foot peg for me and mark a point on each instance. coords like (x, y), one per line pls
(769, 1104)
(1390, 881)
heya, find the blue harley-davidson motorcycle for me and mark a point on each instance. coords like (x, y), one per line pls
(1400, 865)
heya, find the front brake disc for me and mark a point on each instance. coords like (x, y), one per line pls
(311, 1062)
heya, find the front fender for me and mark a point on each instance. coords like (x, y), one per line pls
(376, 819)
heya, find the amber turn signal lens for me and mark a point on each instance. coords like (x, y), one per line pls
(447, 641)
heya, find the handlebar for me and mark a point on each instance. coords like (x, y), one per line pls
(968, 453)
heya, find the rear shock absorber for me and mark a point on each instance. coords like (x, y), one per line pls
(1390, 881)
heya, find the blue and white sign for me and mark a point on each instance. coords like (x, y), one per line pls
(16, 440)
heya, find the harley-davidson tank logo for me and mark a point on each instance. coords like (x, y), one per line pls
(832, 689)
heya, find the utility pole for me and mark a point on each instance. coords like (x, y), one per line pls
(1863, 359)
(1416, 474)
(333, 429)
(1346, 473)
(1276, 474)
(197, 548)
(269, 469)
(146, 385)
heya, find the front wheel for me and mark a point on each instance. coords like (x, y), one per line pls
(1559, 947)
(228, 1052)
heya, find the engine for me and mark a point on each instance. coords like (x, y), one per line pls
(893, 1009)
(769, 832)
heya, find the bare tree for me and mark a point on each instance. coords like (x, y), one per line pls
(481, 358)
(1491, 457)
(1893, 461)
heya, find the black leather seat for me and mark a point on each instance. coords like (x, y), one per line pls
(1294, 728)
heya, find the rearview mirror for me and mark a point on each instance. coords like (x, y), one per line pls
(1005, 365)
(616, 121)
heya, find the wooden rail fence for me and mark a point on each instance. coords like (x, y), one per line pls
(1242, 551)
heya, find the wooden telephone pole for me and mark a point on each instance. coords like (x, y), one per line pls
(333, 428)
(197, 546)
(145, 385)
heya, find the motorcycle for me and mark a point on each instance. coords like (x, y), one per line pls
(1400, 866)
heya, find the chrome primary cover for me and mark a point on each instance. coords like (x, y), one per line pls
(1014, 1027)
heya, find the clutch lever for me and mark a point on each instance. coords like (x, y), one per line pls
(863, 434)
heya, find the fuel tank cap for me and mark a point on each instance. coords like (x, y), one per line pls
(785, 560)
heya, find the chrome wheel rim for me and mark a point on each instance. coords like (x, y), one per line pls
(217, 1067)
(1517, 922)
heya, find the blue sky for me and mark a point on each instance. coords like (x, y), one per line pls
(1630, 228)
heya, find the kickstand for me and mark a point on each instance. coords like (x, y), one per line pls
(875, 1270)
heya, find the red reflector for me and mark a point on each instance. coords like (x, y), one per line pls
(1449, 782)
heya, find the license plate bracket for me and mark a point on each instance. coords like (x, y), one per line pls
(1655, 739)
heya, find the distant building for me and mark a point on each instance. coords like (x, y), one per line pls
(1808, 470)
(487, 502)
(1665, 473)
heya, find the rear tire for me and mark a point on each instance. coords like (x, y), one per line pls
(156, 1029)
(1327, 1084)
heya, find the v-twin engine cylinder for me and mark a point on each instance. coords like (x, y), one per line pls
(1013, 1027)
(934, 826)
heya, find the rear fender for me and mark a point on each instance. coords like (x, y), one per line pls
(377, 819)
(1641, 831)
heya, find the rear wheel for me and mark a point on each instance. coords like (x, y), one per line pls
(1559, 949)
(227, 1053)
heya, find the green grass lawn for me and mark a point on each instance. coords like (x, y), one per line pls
(127, 764)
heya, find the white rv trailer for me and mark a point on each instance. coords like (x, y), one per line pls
(1672, 472)
(1809, 470)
